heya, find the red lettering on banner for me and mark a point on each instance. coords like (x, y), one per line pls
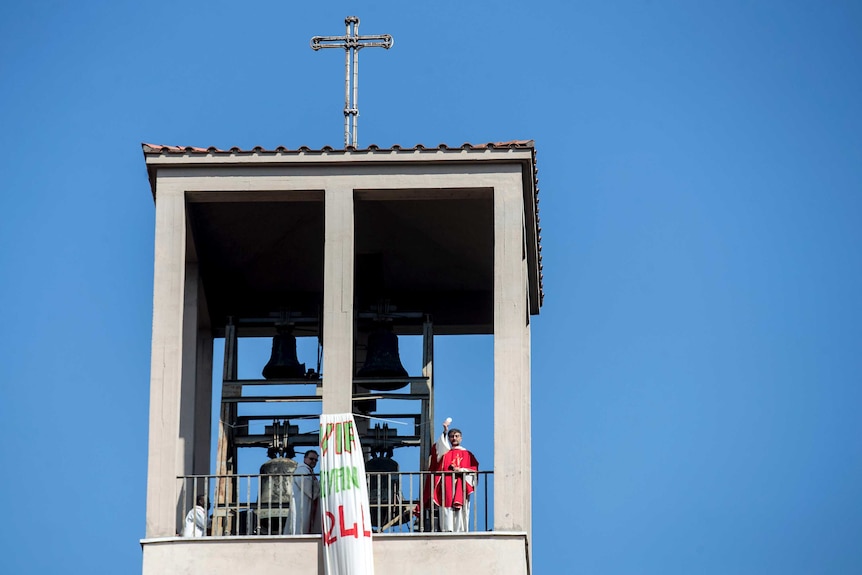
(365, 532)
(325, 434)
(346, 532)
(342, 432)
(328, 537)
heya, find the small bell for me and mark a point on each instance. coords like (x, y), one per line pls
(283, 363)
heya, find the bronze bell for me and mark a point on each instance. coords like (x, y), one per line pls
(383, 360)
(283, 363)
(384, 491)
(276, 490)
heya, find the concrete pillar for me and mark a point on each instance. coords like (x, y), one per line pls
(526, 390)
(166, 363)
(338, 255)
(512, 485)
(188, 387)
(203, 403)
(193, 447)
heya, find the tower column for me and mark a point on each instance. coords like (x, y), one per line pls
(512, 485)
(338, 256)
(166, 373)
(203, 402)
(196, 388)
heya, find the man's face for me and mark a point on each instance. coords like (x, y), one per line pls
(454, 438)
(311, 459)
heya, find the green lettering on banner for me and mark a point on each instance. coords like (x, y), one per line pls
(350, 437)
(353, 476)
(325, 434)
(345, 437)
(338, 479)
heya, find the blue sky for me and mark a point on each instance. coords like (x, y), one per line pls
(697, 366)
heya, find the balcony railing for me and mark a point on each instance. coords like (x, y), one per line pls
(243, 505)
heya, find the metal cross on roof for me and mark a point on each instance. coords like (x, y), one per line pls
(351, 42)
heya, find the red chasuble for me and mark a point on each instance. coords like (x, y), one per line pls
(450, 488)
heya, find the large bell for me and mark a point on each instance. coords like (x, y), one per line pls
(383, 360)
(283, 363)
(276, 489)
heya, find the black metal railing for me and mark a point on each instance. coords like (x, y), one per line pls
(400, 502)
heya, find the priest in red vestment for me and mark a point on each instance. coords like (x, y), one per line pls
(454, 485)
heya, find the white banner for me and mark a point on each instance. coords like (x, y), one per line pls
(346, 519)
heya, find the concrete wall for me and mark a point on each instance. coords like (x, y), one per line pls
(473, 554)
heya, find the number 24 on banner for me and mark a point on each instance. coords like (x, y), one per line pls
(329, 536)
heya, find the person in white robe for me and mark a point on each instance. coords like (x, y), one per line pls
(196, 519)
(304, 504)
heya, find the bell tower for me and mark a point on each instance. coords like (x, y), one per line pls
(339, 254)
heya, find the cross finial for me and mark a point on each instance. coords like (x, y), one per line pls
(351, 42)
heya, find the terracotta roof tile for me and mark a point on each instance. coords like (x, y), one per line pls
(158, 148)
